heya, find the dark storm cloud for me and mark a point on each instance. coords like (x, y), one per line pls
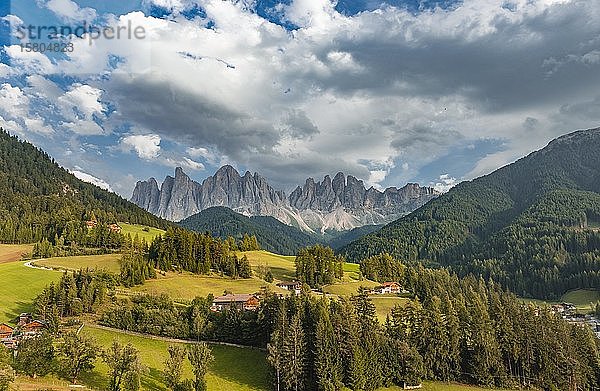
(190, 118)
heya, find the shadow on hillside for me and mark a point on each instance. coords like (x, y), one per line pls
(282, 273)
(12, 313)
(243, 366)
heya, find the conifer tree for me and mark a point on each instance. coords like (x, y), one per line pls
(294, 355)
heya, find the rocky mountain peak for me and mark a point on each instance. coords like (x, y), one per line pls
(340, 203)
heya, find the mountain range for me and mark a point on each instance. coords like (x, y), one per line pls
(533, 225)
(341, 204)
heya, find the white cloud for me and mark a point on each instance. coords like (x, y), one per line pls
(13, 102)
(445, 183)
(37, 125)
(29, 62)
(146, 146)
(91, 179)
(387, 85)
(82, 101)
(191, 164)
(68, 9)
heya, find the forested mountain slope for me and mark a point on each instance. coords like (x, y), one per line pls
(39, 199)
(272, 234)
(532, 225)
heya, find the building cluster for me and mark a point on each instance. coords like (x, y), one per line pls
(249, 301)
(568, 311)
(27, 327)
(112, 227)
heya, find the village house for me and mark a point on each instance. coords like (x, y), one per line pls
(564, 309)
(115, 228)
(5, 331)
(34, 327)
(24, 318)
(91, 224)
(388, 287)
(246, 302)
(295, 286)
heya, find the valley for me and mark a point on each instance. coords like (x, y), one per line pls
(426, 302)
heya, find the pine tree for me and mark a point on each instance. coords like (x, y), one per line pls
(294, 355)
(328, 365)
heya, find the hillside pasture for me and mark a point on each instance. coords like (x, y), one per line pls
(142, 231)
(583, 299)
(236, 369)
(282, 267)
(441, 386)
(348, 288)
(187, 286)
(14, 252)
(385, 304)
(108, 262)
(19, 286)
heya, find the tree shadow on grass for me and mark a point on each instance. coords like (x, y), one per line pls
(12, 313)
(282, 273)
(243, 366)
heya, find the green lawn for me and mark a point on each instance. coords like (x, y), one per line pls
(136, 229)
(385, 304)
(348, 288)
(581, 298)
(282, 267)
(109, 262)
(187, 286)
(236, 369)
(440, 386)
(19, 285)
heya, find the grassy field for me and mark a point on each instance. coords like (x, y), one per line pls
(14, 252)
(139, 230)
(581, 298)
(236, 369)
(19, 285)
(348, 288)
(109, 262)
(384, 305)
(439, 386)
(282, 267)
(187, 286)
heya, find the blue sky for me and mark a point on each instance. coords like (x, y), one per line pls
(392, 92)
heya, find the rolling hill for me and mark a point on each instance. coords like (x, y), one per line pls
(531, 225)
(272, 234)
(40, 199)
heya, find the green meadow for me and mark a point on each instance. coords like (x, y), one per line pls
(108, 262)
(236, 369)
(19, 286)
(142, 231)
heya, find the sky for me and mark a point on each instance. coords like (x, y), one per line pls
(434, 92)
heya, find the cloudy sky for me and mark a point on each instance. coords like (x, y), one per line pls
(405, 90)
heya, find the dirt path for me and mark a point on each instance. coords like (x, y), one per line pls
(167, 339)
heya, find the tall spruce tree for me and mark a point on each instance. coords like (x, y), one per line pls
(294, 355)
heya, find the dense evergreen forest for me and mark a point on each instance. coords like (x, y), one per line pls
(453, 329)
(41, 200)
(272, 234)
(180, 249)
(532, 226)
